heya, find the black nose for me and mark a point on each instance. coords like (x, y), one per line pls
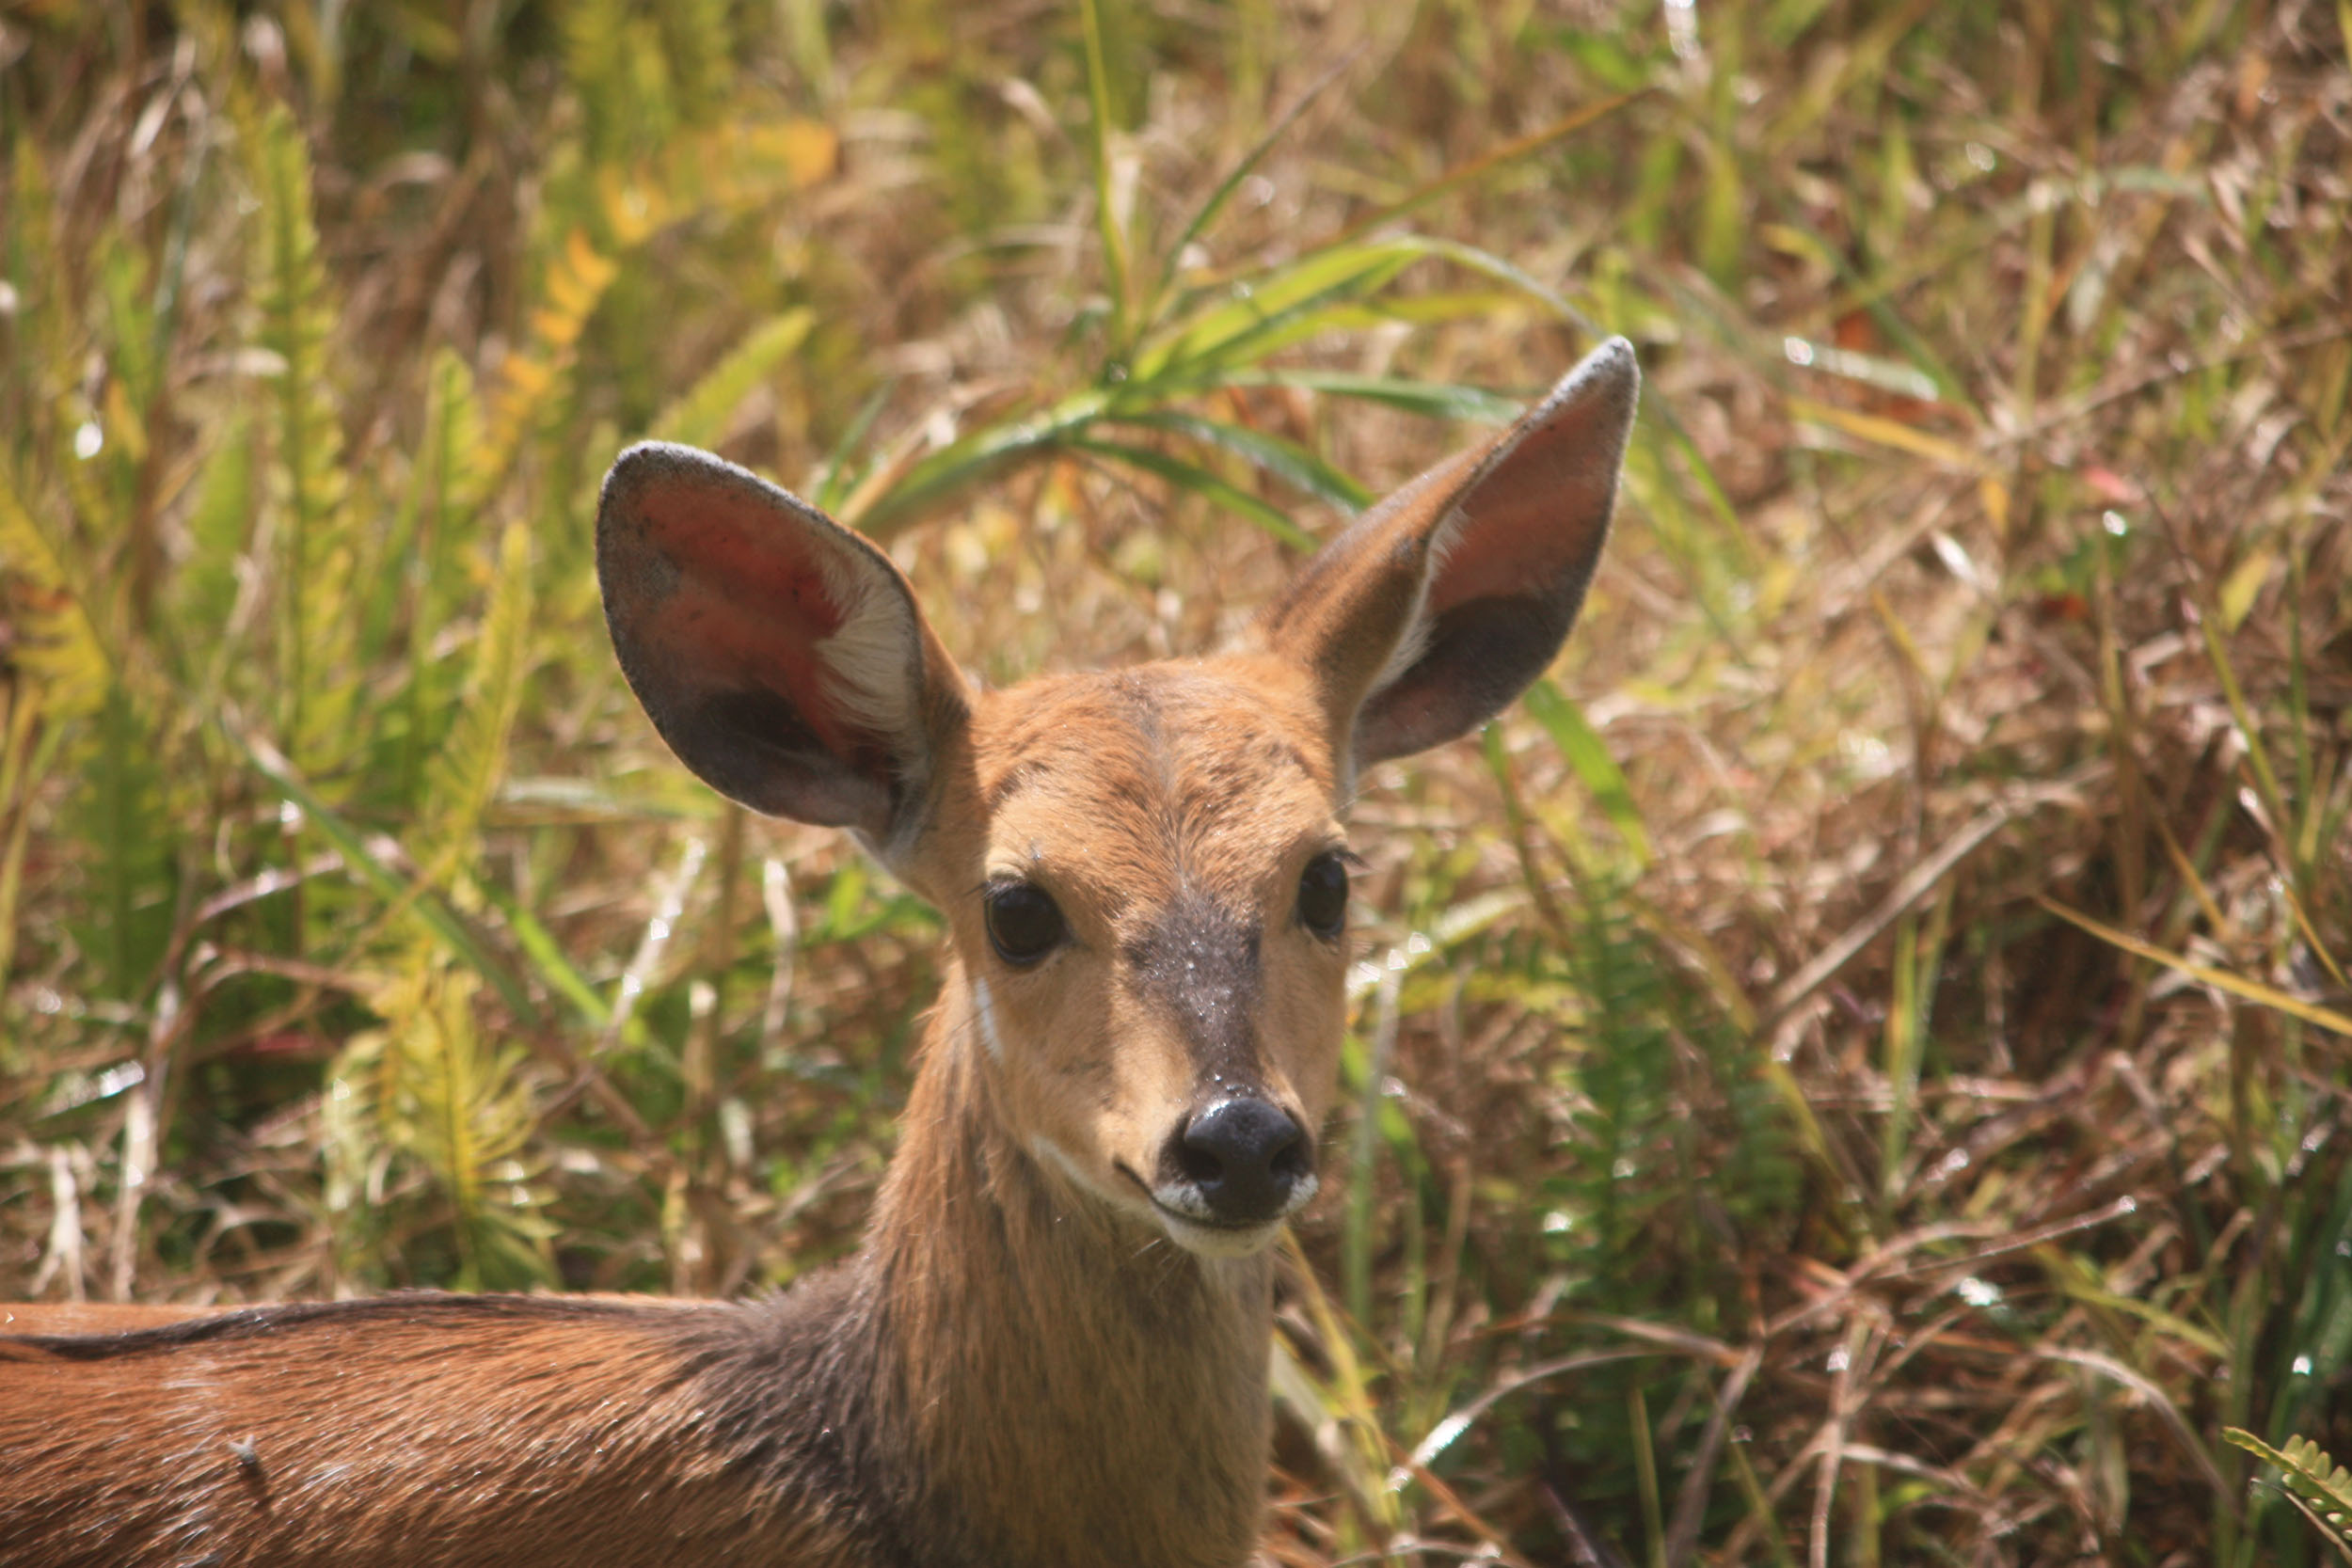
(1245, 1158)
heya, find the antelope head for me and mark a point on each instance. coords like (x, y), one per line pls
(1143, 870)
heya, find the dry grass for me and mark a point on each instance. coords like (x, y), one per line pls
(1894, 1111)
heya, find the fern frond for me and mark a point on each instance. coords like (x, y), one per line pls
(2309, 1473)
(45, 315)
(1625, 1070)
(439, 522)
(466, 770)
(735, 167)
(26, 751)
(532, 381)
(699, 44)
(58, 644)
(318, 557)
(356, 1156)
(453, 451)
(463, 1111)
(596, 49)
(119, 817)
(205, 589)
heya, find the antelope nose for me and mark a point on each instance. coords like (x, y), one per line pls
(1246, 1158)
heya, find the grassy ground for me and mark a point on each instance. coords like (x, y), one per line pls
(1853, 1069)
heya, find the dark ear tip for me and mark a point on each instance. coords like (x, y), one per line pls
(1610, 377)
(647, 463)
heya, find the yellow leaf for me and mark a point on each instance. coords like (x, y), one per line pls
(556, 328)
(577, 278)
(808, 149)
(1994, 495)
(526, 376)
(2245, 584)
(1885, 432)
(2220, 979)
(1790, 241)
(124, 421)
(632, 207)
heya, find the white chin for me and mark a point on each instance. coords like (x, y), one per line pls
(1214, 1241)
(1201, 1241)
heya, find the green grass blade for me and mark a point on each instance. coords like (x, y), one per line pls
(699, 418)
(1434, 399)
(421, 903)
(830, 486)
(1207, 212)
(1230, 334)
(1585, 752)
(1192, 477)
(1285, 460)
(1115, 265)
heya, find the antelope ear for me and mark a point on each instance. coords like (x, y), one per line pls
(780, 654)
(1439, 605)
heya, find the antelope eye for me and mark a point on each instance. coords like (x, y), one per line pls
(1024, 922)
(1323, 895)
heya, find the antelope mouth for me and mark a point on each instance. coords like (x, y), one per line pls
(1191, 1223)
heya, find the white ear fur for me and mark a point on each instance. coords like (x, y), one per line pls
(865, 659)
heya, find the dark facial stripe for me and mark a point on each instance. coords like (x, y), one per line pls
(1200, 961)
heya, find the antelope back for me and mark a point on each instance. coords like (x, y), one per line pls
(1143, 872)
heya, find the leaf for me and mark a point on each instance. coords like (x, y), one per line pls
(1434, 399)
(2310, 1473)
(56, 642)
(1117, 274)
(316, 681)
(1285, 460)
(1207, 211)
(1226, 334)
(968, 460)
(463, 1111)
(420, 902)
(2220, 979)
(1880, 430)
(465, 772)
(1486, 163)
(1584, 750)
(1189, 476)
(2245, 584)
(554, 966)
(699, 419)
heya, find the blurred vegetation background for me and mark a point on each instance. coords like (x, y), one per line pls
(1852, 1069)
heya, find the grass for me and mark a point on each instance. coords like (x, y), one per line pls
(1853, 1069)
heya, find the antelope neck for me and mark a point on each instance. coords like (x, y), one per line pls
(1029, 1337)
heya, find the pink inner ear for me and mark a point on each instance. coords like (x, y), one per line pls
(1528, 520)
(751, 604)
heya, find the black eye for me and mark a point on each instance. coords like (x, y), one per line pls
(1323, 895)
(1024, 922)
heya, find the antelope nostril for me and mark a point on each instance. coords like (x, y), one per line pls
(1291, 1163)
(1245, 1157)
(1198, 1166)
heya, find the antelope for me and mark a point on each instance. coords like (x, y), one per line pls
(1053, 1346)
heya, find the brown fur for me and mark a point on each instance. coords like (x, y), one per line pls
(1034, 1361)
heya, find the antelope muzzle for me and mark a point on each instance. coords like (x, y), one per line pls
(1239, 1163)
